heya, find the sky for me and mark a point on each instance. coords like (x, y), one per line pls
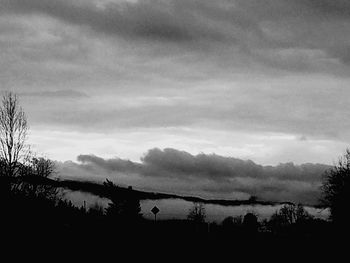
(119, 80)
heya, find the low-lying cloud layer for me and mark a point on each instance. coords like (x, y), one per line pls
(210, 175)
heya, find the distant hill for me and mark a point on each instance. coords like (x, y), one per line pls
(98, 189)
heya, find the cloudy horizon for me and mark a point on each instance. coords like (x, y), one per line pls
(265, 81)
(205, 175)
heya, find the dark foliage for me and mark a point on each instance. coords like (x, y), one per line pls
(336, 191)
(121, 224)
(197, 213)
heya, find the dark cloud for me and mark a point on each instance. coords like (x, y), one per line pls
(338, 8)
(110, 165)
(289, 35)
(159, 20)
(172, 162)
(215, 174)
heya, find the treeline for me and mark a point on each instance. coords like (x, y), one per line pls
(28, 202)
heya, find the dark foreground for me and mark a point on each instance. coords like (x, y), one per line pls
(36, 221)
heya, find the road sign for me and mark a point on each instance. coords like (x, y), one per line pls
(155, 210)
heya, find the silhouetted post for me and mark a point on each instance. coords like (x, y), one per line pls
(155, 210)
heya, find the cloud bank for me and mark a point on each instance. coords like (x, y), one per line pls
(207, 175)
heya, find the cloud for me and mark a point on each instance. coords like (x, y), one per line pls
(155, 19)
(331, 8)
(111, 165)
(174, 163)
(73, 94)
(243, 67)
(211, 175)
(158, 20)
(292, 35)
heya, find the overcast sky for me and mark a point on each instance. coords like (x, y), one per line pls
(261, 80)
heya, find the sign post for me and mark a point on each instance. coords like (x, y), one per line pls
(155, 210)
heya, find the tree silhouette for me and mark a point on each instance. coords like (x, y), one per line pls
(290, 219)
(125, 205)
(13, 133)
(34, 178)
(197, 213)
(250, 223)
(336, 189)
(290, 214)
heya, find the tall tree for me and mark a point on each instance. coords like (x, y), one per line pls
(336, 190)
(13, 133)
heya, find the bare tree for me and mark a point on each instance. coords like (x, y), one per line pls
(290, 214)
(35, 178)
(197, 213)
(13, 133)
